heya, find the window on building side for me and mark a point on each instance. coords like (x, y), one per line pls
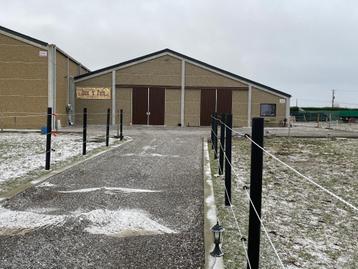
(267, 110)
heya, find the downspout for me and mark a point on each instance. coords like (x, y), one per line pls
(113, 97)
(182, 95)
(249, 106)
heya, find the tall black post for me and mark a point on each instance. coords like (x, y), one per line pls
(48, 138)
(107, 127)
(121, 125)
(228, 142)
(84, 139)
(212, 131)
(222, 144)
(215, 134)
(255, 192)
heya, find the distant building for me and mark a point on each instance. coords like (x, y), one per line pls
(172, 89)
(324, 114)
(33, 76)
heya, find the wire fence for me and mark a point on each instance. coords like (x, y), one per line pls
(219, 145)
(24, 153)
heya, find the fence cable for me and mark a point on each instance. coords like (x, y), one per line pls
(235, 218)
(262, 224)
(264, 228)
(293, 169)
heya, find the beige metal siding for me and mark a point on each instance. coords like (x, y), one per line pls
(94, 106)
(23, 84)
(164, 71)
(239, 107)
(172, 107)
(192, 107)
(262, 97)
(199, 77)
(124, 101)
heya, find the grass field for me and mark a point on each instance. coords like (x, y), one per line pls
(309, 228)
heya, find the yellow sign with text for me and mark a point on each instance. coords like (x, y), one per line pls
(93, 93)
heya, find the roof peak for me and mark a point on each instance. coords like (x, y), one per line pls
(187, 58)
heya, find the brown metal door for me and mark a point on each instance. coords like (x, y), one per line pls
(224, 101)
(156, 106)
(207, 106)
(140, 105)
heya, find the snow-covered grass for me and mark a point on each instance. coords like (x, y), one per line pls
(309, 228)
(22, 155)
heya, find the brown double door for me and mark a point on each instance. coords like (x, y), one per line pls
(148, 106)
(214, 100)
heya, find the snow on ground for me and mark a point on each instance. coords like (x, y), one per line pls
(121, 222)
(24, 153)
(126, 190)
(309, 228)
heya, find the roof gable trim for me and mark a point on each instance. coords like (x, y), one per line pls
(186, 59)
(23, 38)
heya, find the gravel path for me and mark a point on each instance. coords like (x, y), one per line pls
(137, 206)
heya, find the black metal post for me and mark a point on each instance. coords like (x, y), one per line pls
(255, 192)
(121, 125)
(212, 131)
(107, 127)
(222, 144)
(215, 135)
(228, 143)
(84, 139)
(48, 138)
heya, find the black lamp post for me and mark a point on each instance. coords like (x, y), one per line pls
(217, 230)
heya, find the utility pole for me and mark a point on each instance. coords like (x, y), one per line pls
(333, 98)
(296, 102)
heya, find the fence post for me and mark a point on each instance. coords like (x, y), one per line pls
(84, 139)
(215, 135)
(121, 125)
(222, 142)
(228, 146)
(48, 138)
(107, 127)
(212, 131)
(255, 192)
(118, 125)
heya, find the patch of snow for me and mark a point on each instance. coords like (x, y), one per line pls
(144, 154)
(123, 222)
(46, 184)
(21, 153)
(18, 220)
(126, 190)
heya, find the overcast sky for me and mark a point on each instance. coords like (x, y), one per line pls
(303, 47)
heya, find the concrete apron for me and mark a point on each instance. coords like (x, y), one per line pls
(210, 216)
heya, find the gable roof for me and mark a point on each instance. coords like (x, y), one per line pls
(184, 57)
(26, 37)
(37, 42)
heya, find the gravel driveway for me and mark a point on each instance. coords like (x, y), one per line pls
(137, 206)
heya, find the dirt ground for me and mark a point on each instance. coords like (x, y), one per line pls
(309, 228)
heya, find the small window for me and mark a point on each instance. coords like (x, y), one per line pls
(267, 110)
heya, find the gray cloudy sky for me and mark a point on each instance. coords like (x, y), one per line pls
(303, 47)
